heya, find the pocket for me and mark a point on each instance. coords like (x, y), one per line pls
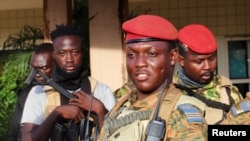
(131, 132)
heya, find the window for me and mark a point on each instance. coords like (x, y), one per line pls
(237, 57)
(233, 61)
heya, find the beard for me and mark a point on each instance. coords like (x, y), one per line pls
(69, 75)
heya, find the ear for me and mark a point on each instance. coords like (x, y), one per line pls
(174, 56)
(181, 60)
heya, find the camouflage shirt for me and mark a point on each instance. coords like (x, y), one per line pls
(243, 117)
(177, 127)
(213, 89)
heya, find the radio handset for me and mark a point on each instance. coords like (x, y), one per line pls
(157, 126)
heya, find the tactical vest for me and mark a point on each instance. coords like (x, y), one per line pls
(213, 114)
(53, 100)
(132, 127)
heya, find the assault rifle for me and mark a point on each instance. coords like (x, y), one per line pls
(48, 81)
(85, 123)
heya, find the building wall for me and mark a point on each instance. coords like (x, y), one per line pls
(106, 56)
(223, 17)
(12, 21)
(106, 49)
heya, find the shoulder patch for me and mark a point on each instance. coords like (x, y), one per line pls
(241, 107)
(191, 112)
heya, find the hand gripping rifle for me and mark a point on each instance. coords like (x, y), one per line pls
(84, 126)
(157, 126)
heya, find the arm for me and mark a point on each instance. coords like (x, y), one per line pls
(178, 128)
(35, 125)
(14, 131)
(34, 132)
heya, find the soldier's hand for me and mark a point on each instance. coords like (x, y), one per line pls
(70, 112)
(83, 100)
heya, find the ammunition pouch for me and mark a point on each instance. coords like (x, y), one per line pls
(131, 132)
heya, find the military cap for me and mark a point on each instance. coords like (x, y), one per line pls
(198, 38)
(149, 28)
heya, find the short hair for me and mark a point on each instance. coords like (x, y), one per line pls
(68, 29)
(172, 44)
(181, 49)
(44, 47)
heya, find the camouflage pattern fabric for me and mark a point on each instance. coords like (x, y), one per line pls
(240, 119)
(178, 127)
(213, 89)
(124, 90)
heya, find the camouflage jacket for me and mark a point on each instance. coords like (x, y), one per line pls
(239, 113)
(213, 89)
(219, 95)
(178, 125)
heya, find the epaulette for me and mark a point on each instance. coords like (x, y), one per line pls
(241, 107)
(191, 112)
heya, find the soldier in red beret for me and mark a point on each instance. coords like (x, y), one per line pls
(151, 111)
(196, 73)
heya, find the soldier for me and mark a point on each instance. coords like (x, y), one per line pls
(197, 62)
(41, 60)
(49, 114)
(150, 59)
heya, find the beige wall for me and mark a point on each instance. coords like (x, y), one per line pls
(12, 21)
(105, 43)
(106, 50)
(224, 17)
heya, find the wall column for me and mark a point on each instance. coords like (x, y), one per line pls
(56, 12)
(106, 57)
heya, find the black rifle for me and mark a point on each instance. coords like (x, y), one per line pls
(48, 81)
(84, 126)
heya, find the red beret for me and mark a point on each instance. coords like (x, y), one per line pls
(198, 38)
(149, 26)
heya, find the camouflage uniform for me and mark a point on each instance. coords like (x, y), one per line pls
(242, 117)
(220, 96)
(125, 89)
(213, 91)
(177, 127)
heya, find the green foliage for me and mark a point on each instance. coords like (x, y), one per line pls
(26, 39)
(15, 71)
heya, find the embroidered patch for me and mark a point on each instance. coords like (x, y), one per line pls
(191, 112)
(241, 107)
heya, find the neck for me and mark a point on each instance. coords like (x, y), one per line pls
(185, 80)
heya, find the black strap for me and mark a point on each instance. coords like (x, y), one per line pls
(228, 90)
(86, 130)
(208, 102)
